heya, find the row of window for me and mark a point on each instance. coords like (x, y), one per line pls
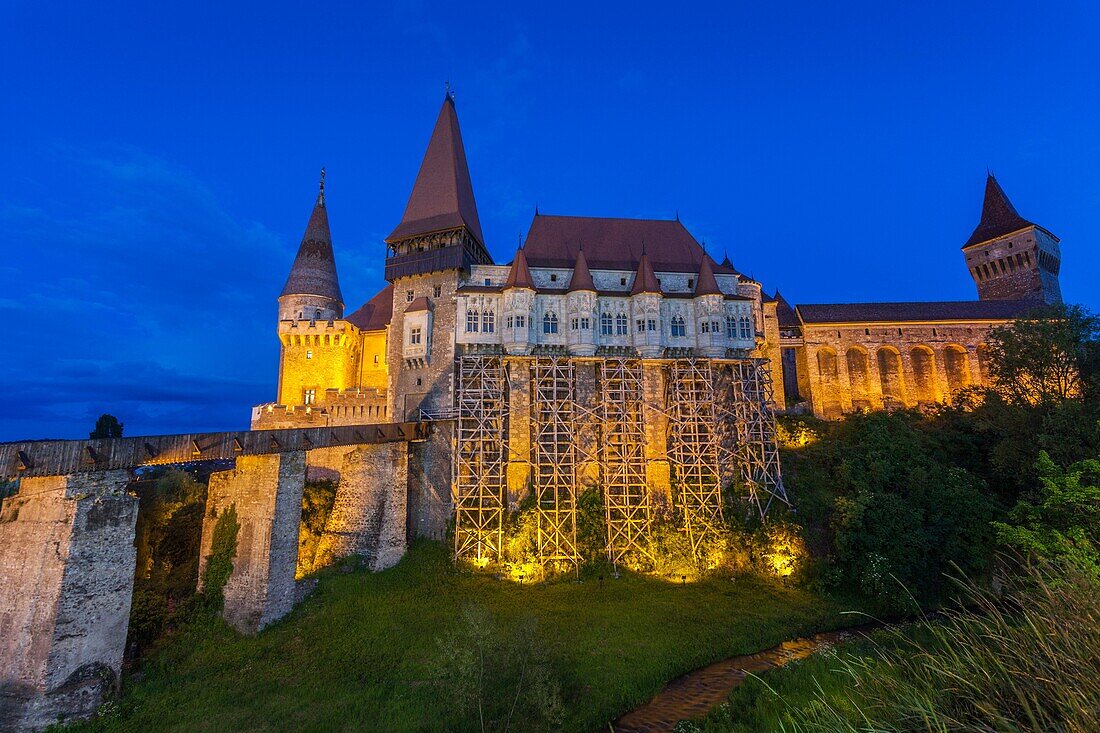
(617, 325)
(487, 321)
(436, 292)
(1007, 265)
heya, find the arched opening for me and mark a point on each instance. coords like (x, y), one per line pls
(830, 383)
(893, 384)
(954, 363)
(924, 374)
(859, 378)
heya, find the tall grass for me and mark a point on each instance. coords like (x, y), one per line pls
(1021, 659)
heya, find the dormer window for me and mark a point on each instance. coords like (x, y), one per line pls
(691, 283)
(622, 281)
(553, 277)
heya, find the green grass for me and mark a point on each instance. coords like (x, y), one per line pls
(362, 652)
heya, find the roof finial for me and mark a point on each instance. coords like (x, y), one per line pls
(321, 188)
(677, 215)
(536, 208)
(448, 93)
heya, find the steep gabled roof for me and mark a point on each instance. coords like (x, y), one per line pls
(612, 244)
(706, 284)
(442, 197)
(784, 313)
(314, 268)
(582, 278)
(999, 216)
(520, 275)
(645, 281)
(376, 313)
(420, 303)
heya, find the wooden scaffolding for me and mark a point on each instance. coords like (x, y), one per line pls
(481, 453)
(752, 406)
(554, 457)
(694, 446)
(622, 457)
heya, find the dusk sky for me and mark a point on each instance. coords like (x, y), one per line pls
(160, 161)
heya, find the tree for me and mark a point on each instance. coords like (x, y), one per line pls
(1047, 357)
(107, 426)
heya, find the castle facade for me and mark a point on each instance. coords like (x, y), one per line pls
(588, 306)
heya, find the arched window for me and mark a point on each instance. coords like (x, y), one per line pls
(621, 324)
(471, 321)
(678, 327)
(605, 324)
(488, 321)
(550, 323)
(731, 327)
(317, 314)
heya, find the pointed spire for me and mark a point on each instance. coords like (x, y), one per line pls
(726, 259)
(706, 284)
(442, 197)
(999, 216)
(645, 281)
(314, 268)
(520, 275)
(582, 278)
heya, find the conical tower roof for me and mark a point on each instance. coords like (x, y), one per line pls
(314, 268)
(520, 275)
(999, 216)
(442, 197)
(582, 278)
(645, 281)
(706, 284)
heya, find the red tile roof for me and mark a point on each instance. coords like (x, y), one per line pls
(707, 285)
(645, 281)
(611, 244)
(582, 278)
(968, 310)
(314, 268)
(419, 304)
(999, 216)
(442, 197)
(520, 275)
(376, 313)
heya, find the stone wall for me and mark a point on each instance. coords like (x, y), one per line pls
(368, 518)
(266, 492)
(66, 581)
(430, 503)
(430, 385)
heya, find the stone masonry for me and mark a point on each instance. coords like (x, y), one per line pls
(267, 494)
(66, 580)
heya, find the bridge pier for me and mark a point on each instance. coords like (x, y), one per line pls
(265, 493)
(66, 581)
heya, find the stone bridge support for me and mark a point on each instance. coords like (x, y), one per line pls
(369, 515)
(265, 493)
(66, 580)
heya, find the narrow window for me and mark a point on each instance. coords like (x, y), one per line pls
(553, 277)
(309, 353)
(731, 327)
(489, 321)
(510, 321)
(471, 321)
(376, 358)
(714, 327)
(317, 314)
(641, 325)
(550, 323)
(419, 381)
(620, 324)
(585, 324)
(488, 282)
(605, 324)
(521, 321)
(691, 283)
(437, 291)
(414, 335)
(745, 327)
(408, 296)
(704, 326)
(622, 281)
(309, 396)
(573, 324)
(651, 324)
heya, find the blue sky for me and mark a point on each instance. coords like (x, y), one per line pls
(160, 161)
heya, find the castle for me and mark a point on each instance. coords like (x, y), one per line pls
(610, 352)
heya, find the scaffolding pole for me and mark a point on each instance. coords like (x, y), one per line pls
(554, 457)
(757, 452)
(481, 452)
(694, 446)
(622, 457)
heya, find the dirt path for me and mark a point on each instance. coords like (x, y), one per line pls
(695, 693)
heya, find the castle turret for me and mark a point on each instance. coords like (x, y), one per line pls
(1009, 257)
(581, 304)
(312, 291)
(645, 308)
(519, 296)
(710, 316)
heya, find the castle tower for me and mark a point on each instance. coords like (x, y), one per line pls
(519, 296)
(581, 304)
(312, 291)
(1009, 257)
(320, 351)
(710, 317)
(439, 236)
(645, 309)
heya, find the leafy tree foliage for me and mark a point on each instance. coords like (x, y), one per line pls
(1062, 524)
(107, 426)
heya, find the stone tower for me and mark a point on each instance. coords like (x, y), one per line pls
(318, 353)
(439, 236)
(1009, 257)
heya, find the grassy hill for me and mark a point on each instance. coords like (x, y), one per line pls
(406, 649)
